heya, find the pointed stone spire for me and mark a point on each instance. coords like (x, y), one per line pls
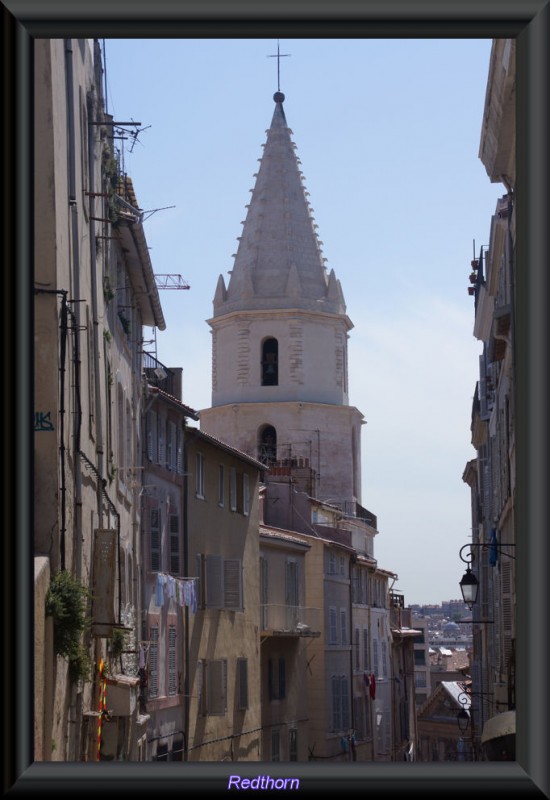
(279, 262)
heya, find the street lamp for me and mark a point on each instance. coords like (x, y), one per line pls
(469, 584)
(463, 719)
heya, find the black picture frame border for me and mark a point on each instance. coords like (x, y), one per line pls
(526, 20)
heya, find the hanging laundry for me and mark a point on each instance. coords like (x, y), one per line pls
(372, 687)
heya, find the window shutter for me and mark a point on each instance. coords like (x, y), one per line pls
(246, 494)
(174, 544)
(172, 454)
(179, 456)
(343, 626)
(282, 678)
(507, 612)
(232, 583)
(201, 687)
(214, 581)
(233, 489)
(172, 660)
(375, 667)
(263, 593)
(336, 704)
(152, 449)
(345, 702)
(384, 659)
(332, 626)
(154, 661)
(199, 588)
(242, 677)
(366, 659)
(155, 539)
(162, 441)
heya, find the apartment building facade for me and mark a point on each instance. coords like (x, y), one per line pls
(91, 264)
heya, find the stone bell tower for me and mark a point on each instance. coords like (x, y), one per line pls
(280, 336)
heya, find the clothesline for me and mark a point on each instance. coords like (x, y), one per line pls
(182, 590)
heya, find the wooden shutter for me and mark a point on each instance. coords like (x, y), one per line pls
(282, 678)
(174, 544)
(154, 661)
(152, 449)
(232, 583)
(172, 660)
(242, 682)
(155, 532)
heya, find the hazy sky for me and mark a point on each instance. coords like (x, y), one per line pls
(388, 134)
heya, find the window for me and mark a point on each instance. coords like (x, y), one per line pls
(213, 687)
(174, 544)
(276, 678)
(177, 750)
(384, 659)
(242, 683)
(356, 595)
(340, 703)
(267, 445)
(154, 661)
(199, 475)
(270, 365)
(172, 449)
(332, 629)
(343, 626)
(420, 680)
(292, 744)
(221, 485)
(366, 654)
(129, 445)
(233, 489)
(152, 432)
(375, 656)
(264, 611)
(357, 649)
(155, 539)
(162, 441)
(291, 583)
(341, 566)
(331, 563)
(121, 433)
(172, 661)
(220, 582)
(179, 451)
(246, 494)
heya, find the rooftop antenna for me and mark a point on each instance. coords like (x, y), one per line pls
(134, 134)
(278, 56)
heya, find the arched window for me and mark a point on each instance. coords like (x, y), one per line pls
(267, 445)
(270, 362)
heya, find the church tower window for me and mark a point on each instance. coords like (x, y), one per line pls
(267, 445)
(270, 362)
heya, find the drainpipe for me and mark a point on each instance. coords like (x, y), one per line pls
(75, 273)
(186, 658)
(95, 309)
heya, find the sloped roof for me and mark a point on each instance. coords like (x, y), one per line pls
(291, 274)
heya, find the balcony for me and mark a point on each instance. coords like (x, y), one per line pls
(294, 621)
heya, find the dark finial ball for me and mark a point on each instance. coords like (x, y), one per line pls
(278, 97)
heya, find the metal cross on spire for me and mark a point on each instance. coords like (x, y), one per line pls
(278, 56)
